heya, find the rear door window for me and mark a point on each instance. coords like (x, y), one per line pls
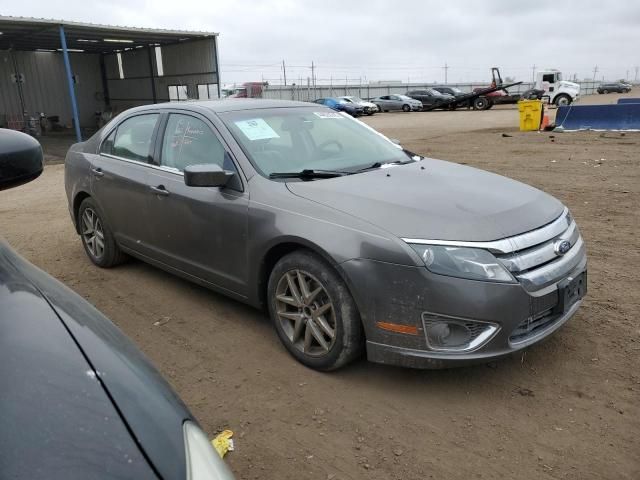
(133, 137)
(189, 141)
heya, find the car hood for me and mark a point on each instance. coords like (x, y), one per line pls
(153, 412)
(57, 419)
(436, 200)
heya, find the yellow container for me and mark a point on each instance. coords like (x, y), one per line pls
(531, 112)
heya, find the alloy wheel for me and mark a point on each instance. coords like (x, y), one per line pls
(306, 313)
(92, 233)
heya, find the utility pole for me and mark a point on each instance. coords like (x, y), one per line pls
(627, 76)
(313, 75)
(636, 77)
(446, 70)
(533, 73)
(595, 71)
(284, 73)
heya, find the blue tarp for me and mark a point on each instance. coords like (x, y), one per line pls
(628, 100)
(619, 116)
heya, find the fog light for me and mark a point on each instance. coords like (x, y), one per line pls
(447, 334)
(451, 334)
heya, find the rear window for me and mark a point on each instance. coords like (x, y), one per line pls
(133, 137)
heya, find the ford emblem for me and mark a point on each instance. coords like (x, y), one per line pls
(562, 247)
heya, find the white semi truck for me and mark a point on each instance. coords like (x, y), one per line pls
(560, 92)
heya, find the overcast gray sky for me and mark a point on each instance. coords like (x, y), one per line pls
(386, 40)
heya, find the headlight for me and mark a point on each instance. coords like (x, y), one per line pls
(462, 262)
(203, 463)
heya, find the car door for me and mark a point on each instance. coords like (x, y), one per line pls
(395, 103)
(382, 102)
(201, 231)
(119, 178)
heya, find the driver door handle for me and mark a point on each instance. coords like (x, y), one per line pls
(97, 172)
(160, 190)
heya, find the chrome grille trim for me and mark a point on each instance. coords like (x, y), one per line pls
(511, 244)
(556, 270)
(540, 254)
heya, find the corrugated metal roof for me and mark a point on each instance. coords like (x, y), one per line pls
(26, 33)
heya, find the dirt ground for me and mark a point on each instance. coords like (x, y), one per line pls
(566, 408)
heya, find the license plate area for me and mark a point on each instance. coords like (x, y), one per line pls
(570, 291)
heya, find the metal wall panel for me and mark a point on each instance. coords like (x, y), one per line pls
(188, 63)
(45, 88)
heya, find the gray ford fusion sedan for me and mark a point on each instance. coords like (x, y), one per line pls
(352, 243)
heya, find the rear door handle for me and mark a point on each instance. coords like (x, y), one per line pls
(160, 190)
(97, 172)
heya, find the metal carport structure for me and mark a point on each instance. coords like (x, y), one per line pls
(114, 50)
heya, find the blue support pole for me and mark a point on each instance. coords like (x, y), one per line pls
(72, 91)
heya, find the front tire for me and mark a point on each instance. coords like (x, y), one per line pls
(406, 108)
(97, 238)
(563, 100)
(313, 312)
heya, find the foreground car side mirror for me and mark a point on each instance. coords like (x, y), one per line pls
(209, 175)
(21, 158)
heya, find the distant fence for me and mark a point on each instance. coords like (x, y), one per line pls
(306, 93)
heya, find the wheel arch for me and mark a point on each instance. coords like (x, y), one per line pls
(285, 246)
(77, 201)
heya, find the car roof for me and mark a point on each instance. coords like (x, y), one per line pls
(226, 105)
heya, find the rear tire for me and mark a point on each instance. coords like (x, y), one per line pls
(380, 110)
(313, 312)
(97, 238)
(605, 91)
(481, 103)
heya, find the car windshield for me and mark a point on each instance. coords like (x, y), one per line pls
(297, 139)
(404, 97)
(456, 90)
(356, 99)
(433, 92)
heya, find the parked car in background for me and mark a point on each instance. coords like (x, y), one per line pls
(431, 98)
(388, 103)
(369, 107)
(341, 106)
(615, 87)
(79, 400)
(352, 243)
(454, 91)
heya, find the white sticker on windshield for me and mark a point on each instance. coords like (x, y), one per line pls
(327, 115)
(256, 129)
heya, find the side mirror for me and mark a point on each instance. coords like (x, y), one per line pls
(21, 158)
(209, 175)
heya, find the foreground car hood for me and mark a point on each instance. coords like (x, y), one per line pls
(443, 201)
(153, 412)
(57, 420)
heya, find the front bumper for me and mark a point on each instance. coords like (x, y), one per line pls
(416, 108)
(403, 295)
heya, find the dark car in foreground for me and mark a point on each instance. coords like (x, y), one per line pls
(78, 399)
(341, 105)
(615, 87)
(351, 242)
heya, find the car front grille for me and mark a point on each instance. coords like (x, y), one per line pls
(535, 258)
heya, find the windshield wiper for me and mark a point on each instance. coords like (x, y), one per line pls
(309, 173)
(375, 165)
